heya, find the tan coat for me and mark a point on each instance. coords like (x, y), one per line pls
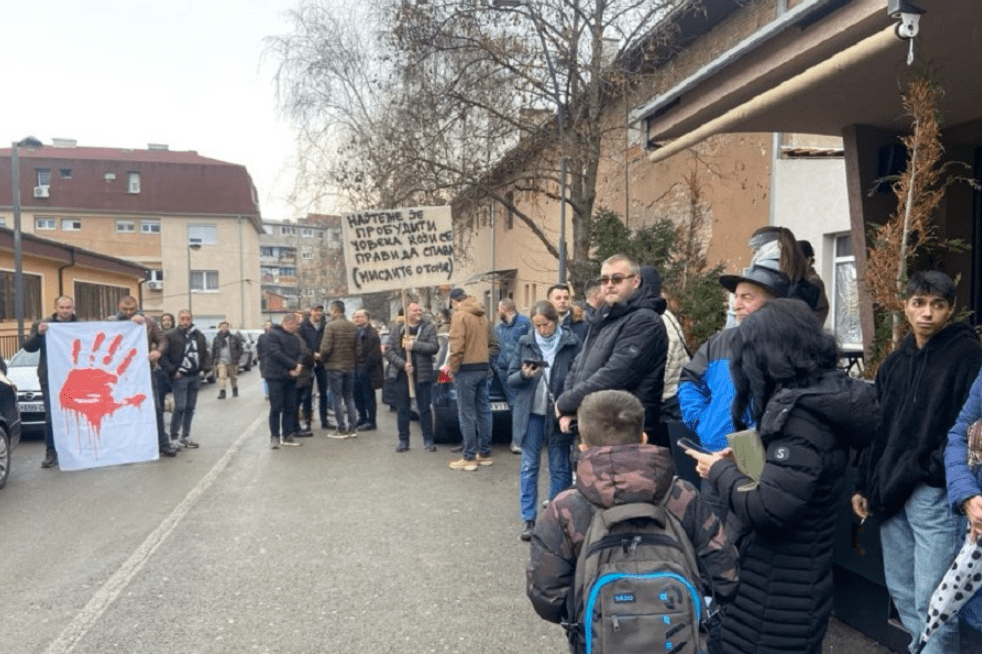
(468, 338)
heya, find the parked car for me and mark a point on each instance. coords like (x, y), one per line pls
(22, 370)
(9, 426)
(446, 425)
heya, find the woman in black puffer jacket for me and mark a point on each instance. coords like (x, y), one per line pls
(808, 415)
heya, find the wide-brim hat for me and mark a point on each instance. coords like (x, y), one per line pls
(774, 281)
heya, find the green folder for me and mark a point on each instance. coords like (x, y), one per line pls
(748, 454)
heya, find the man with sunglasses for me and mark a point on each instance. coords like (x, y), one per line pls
(625, 347)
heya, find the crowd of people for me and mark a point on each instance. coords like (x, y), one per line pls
(603, 385)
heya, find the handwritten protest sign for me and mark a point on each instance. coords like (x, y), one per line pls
(396, 248)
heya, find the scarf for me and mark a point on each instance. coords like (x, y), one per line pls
(190, 364)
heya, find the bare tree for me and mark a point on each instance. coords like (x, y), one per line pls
(471, 98)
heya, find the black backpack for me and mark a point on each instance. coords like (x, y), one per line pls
(637, 585)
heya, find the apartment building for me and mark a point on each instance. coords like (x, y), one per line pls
(192, 221)
(301, 263)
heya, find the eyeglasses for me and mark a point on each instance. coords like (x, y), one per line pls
(613, 279)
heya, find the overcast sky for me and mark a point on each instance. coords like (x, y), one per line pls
(115, 73)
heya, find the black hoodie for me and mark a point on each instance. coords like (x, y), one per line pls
(920, 392)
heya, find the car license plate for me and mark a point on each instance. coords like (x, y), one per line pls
(31, 407)
(499, 406)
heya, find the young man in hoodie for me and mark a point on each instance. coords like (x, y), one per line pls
(618, 466)
(921, 388)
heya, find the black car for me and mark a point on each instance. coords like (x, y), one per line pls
(9, 427)
(446, 426)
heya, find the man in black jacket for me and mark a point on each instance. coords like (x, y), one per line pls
(280, 366)
(368, 371)
(921, 388)
(410, 352)
(625, 347)
(312, 332)
(64, 312)
(185, 359)
(129, 309)
(226, 352)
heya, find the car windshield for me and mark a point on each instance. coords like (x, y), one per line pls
(25, 358)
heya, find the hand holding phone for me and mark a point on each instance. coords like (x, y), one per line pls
(689, 444)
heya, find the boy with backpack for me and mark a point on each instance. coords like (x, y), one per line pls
(624, 560)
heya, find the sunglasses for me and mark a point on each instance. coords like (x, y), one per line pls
(613, 279)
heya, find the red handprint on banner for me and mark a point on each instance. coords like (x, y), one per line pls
(88, 391)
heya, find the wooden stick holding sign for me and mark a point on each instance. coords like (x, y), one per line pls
(407, 342)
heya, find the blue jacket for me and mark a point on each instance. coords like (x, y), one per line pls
(706, 391)
(962, 482)
(508, 337)
(569, 347)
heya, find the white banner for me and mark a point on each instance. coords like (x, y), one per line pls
(102, 409)
(396, 248)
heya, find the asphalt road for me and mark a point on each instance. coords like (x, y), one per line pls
(332, 546)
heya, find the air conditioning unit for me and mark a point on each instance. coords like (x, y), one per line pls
(155, 285)
(42, 192)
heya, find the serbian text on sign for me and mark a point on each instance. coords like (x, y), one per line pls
(397, 248)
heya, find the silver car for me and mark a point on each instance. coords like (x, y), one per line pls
(22, 370)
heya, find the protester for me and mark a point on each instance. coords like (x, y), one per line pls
(822, 305)
(226, 352)
(677, 358)
(280, 366)
(469, 363)
(185, 360)
(593, 297)
(409, 351)
(510, 329)
(921, 388)
(368, 371)
(339, 354)
(261, 352)
(570, 316)
(312, 332)
(129, 309)
(777, 248)
(617, 467)
(64, 312)
(706, 389)
(167, 321)
(538, 369)
(625, 348)
(305, 380)
(808, 415)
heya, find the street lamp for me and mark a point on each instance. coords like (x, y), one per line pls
(194, 243)
(30, 143)
(560, 121)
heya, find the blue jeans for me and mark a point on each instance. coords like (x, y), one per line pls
(919, 543)
(342, 384)
(560, 470)
(474, 411)
(185, 390)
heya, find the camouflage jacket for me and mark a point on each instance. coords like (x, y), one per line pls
(611, 475)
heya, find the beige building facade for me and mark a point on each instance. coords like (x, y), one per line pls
(193, 222)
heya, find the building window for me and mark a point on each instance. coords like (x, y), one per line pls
(845, 294)
(97, 301)
(71, 224)
(150, 226)
(510, 216)
(32, 296)
(45, 223)
(286, 230)
(306, 232)
(66, 173)
(307, 254)
(3, 221)
(44, 177)
(155, 276)
(133, 182)
(267, 251)
(125, 227)
(204, 233)
(204, 281)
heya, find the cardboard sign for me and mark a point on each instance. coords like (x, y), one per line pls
(391, 249)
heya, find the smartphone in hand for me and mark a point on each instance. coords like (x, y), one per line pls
(689, 444)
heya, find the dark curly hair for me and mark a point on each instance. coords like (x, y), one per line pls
(780, 345)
